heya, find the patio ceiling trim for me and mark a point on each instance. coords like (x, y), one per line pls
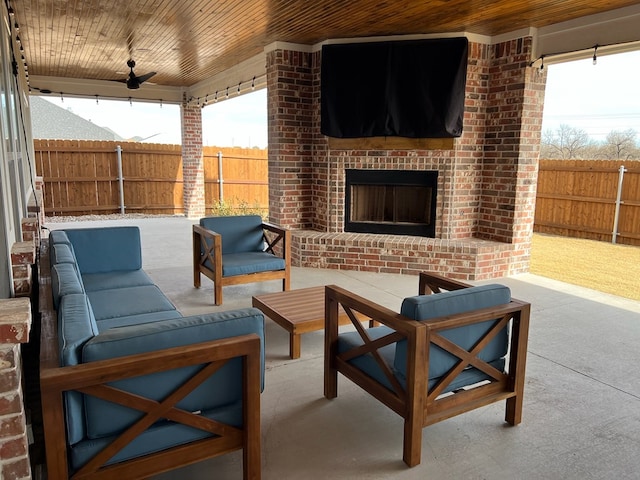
(85, 88)
(615, 31)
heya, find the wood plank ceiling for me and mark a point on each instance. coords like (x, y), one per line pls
(187, 42)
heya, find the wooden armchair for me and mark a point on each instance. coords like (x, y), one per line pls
(240, 249)
(452, 349)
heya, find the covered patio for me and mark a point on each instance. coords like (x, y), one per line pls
(581, 411)
(581, 414)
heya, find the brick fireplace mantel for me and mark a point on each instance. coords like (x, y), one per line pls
(486, 181)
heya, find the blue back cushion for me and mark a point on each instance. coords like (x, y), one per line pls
(62, 253)
(241, 233)
(58, 236)
(65, 279)
(76, 326)
(106, 249)
(427, 307)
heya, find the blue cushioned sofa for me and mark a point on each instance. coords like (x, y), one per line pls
(452, 348)
(130, 387)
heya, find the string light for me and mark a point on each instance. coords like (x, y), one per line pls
(227, 92)
(595, 53)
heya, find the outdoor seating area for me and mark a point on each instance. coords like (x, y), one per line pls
(580, 410)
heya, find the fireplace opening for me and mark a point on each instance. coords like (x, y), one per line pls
(397, 202)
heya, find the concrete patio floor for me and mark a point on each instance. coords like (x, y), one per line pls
(582, 396)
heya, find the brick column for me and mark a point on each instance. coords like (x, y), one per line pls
(23, 256)
(15, 324)
(192, 161)
(290, 109)
(512, 148)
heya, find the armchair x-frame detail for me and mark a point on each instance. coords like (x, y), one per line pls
(419, 404)
(208, 259)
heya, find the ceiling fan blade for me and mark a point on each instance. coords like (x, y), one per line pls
(146, 76)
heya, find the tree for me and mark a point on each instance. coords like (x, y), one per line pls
(565, 143)
(621, 144)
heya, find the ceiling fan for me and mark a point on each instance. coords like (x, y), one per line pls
(133, 81)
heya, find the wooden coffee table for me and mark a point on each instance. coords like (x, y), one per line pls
(297, 311)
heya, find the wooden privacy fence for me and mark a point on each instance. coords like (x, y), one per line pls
(598, 200)
(86, 177)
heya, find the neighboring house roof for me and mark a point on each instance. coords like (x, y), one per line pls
(52, 122)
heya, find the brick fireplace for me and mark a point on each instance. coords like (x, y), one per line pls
(486, 179)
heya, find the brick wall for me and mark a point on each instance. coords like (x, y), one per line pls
(192, 161)
(291, 102)
(15, 324)
(486, 183)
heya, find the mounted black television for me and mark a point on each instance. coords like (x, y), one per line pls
(411, 88)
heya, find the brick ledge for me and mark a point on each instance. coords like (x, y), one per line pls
(464, 259)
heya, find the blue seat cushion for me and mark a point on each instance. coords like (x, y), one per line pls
(156, 438)
(123, 302)
(223, 388)
(107, 323)
(241, 233)
(110, 280)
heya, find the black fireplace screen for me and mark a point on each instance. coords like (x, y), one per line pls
(397, 202)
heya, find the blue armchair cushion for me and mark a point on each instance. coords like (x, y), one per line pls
(106, 249)
(427, 307)
(241, 233)
(249, 262)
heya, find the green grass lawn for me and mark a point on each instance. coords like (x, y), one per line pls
(597, 265)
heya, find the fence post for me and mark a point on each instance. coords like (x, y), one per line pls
(220, 180)
(618, 203)
(120, 179)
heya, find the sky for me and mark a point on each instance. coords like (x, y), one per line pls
(595, 98)
(239, 121)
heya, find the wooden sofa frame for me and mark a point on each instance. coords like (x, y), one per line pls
(93, 378)
(211, 244)
(419, 406)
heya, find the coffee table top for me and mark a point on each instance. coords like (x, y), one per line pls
(298, 311)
